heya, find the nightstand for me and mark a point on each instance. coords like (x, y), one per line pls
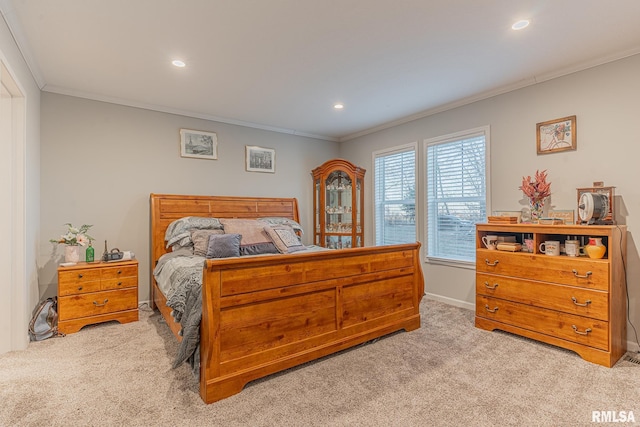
(97, 292)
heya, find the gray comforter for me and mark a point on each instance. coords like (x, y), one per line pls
(179, 274)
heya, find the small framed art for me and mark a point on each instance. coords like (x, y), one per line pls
(260, 159)
(556, 135)
(198, 144)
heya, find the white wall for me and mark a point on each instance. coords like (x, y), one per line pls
(101, 161)
(22, 289)
(606, 101)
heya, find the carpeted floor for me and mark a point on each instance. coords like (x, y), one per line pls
(447, 373)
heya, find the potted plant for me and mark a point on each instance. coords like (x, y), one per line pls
(74, 238)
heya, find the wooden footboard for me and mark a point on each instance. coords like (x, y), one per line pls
(266, 314)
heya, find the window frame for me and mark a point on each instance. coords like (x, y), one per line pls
(412, 146)
(452, 137)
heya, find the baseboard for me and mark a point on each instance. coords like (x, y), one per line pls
(144, 304)
(632, 347)
(455, 302)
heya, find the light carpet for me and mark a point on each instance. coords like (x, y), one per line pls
(447, 373)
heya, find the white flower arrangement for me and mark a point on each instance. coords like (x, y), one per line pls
(75, 236)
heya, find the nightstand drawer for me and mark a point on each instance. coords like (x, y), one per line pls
(121, 283)
(76, 277)
(85, 305)
(65, 289)
(119, 272)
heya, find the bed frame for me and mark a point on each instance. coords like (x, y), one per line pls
(264, 314)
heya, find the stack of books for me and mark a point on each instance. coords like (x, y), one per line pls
(503, 219)
(509, 246)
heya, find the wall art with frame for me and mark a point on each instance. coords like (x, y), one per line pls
(260, 159)
(556, 135)
(198, 144)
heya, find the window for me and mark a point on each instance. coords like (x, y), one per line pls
(395, 195)
(456, 175)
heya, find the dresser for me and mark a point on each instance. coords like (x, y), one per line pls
(577, 303)
(97, 292)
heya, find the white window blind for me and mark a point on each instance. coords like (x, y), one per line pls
(395, 195)
(456, 195)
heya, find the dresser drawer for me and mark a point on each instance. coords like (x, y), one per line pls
(84, 305)
(119, 272)
(78, 281)
(582, 330)
(568, 299)
(121, 283)
(583, 272)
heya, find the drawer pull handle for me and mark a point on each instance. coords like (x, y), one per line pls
(575, 301)
(119, 283)
(486, 307)
(101, 305)
(119, 272)
(79, 288)
(79, 276)
(575, 329)
(486, 285)
(491, 264)
(586, 276)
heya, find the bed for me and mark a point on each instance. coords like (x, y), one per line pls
(266, 313)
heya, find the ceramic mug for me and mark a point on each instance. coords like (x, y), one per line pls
(490, 241)
(550, 247)
(572, 248)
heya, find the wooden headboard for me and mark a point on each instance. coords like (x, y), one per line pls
(166, 208)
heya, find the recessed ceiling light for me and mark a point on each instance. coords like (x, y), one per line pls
(523, 23)
(178, 63)
(338, 106)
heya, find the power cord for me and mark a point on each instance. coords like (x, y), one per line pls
(626, 286)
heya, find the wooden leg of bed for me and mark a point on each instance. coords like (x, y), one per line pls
(218, 390)
(412, 324)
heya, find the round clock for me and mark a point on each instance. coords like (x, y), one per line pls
(593, 207)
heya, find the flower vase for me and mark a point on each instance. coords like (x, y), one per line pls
(537, 209)
(72, 253)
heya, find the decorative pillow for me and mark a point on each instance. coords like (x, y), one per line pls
(255, 241)
(179, 231)
(280, 220)
(200, 240)
(285, 239)
(223, 246)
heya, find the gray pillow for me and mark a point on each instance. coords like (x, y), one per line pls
(179, 231)
(200, 240)
(223, 245)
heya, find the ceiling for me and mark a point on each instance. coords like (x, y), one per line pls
(282, 64)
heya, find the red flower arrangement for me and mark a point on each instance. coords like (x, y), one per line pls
(538, 189)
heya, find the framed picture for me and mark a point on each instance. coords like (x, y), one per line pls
(556, 135)
(198, 144)
(260, 159)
